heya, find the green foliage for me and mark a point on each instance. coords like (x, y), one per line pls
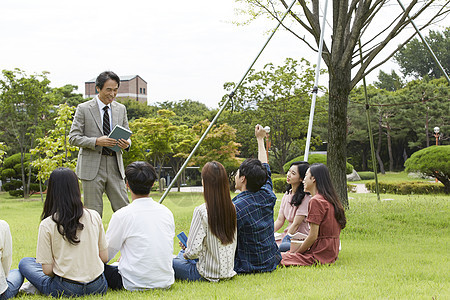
(136, 109)
(54, 150)
(8, 173)
(14, 159)
(315, 158)
(187, 112)
(2, 151)
(278, 97)
(12, 185)
(406, 188)
(432, 161)
(390, 82)
(366, 175)
(415, 60)
(279, 184)
(11, 173)
(66, 95)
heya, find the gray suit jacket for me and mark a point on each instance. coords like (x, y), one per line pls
(87, 126)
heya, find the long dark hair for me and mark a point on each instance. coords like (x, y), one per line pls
(221, 211)
(297, 198)
(63, 203)
(325, 188)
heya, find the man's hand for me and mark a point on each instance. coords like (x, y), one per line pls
(123, 144)
(260, 133)
(105, 141)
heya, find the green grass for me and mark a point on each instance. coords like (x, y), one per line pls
(396, 249)
(394, 176)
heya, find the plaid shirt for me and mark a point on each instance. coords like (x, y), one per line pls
(256, 248)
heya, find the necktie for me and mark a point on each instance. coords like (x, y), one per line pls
(106, 125)
(106, 129)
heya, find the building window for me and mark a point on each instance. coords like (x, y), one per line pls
(144, 90)
(140, 90)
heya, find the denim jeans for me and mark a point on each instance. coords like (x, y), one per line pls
(14, 281)
(113, 277)
(186, 269)
(285, 244)
(57, 286)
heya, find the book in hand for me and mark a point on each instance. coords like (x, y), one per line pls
(119, 132)
(183, 238)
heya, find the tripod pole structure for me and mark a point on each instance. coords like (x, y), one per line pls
(316, 84)
(425, 42)
(230, 96)
(369, 126)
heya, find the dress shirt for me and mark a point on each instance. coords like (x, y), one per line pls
(143, 232)
(256, 249)
(215, 260)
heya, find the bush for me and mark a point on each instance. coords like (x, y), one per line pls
(366, 175)
(316, 158)
(13, 160)
(8, 173)
(432, 161)
(16, 193)
(407, 188)
(351, 188)
(279, 185)
(12, 185)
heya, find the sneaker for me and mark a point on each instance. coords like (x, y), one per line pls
(28, 288)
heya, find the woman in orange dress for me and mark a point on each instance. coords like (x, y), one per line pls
(326, 218)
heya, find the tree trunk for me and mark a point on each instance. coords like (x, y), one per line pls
(380, 132)
(337, 131)
(389, 144)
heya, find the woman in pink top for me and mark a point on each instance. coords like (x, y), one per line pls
(326, 218)
(294, 206)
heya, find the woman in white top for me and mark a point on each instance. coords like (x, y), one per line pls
(294, 206)
(71, 246)
(10, 281)
(212, 237)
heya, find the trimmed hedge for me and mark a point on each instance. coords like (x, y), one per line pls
(279, 184)
(366, 175)
(407, 188)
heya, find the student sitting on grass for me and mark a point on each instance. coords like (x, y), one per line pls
(294, 206)
(326, 218)
(143, 232)
(212, 237)
(256, 248)
(10, 281)
(71, 247)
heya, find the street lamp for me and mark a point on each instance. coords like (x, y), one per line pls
(436, 135)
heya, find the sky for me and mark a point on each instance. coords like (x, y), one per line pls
(182, 49)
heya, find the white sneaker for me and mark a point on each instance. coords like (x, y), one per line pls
(28, 288)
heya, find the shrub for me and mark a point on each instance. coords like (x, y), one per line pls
(12, 185)
(351, 188)
(407, 188)
(366, 175)
(8, 173)
(279, 185)
(316, 158)
(16, 193)
(432, 161)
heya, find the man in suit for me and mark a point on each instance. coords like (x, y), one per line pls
(100, 168)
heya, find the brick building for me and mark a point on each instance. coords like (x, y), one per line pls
(131, 87)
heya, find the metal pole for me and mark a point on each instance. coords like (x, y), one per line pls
(316, 83)
(425, 42)
(223, 106)
(372, 147)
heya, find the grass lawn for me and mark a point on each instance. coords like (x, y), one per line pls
(396, 249)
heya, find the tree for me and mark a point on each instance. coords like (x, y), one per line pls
(219, 145)
(187, 112)
(2, 152)
(53, 150)
(24, 108)
(153, 137)
(352, 21)
(66, 95)
(389, 82)
(277, 97)
(415, 60)
(136, 109)
(432, 161)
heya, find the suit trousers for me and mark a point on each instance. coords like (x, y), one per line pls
(108, 180)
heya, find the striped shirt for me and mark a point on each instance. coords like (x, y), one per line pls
(215, 260)
(256, 247)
